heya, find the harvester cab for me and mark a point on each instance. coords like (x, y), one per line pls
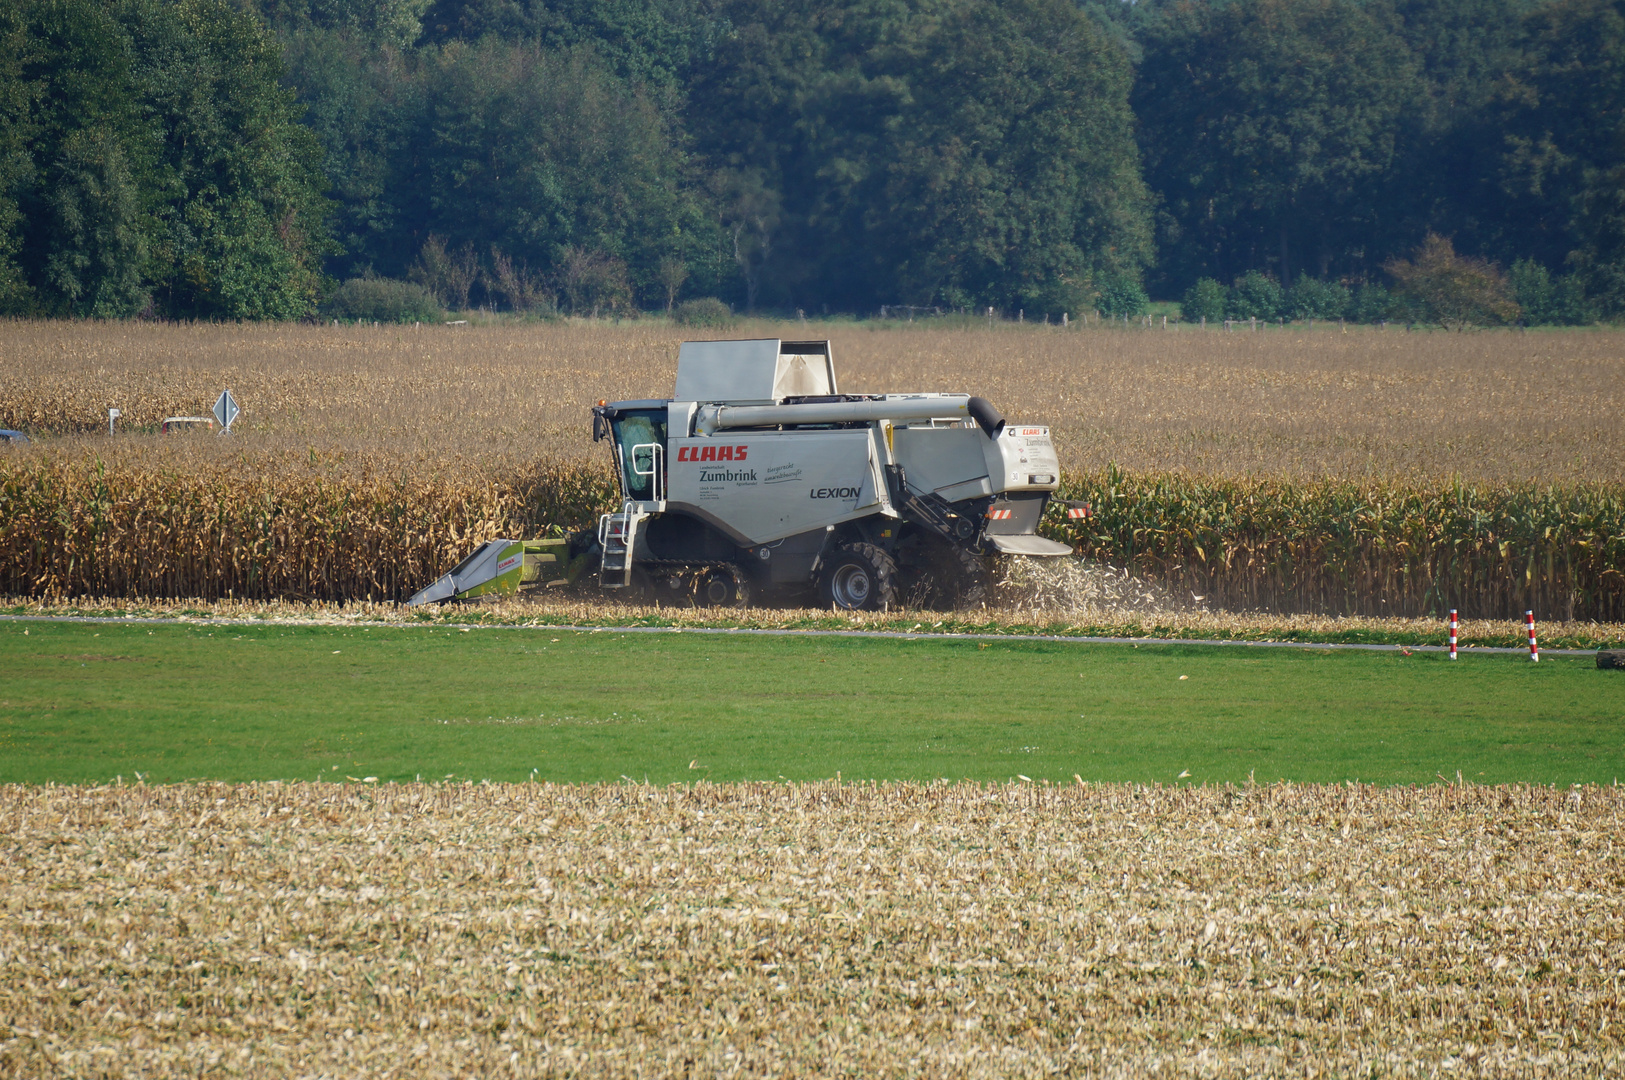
(760, 475)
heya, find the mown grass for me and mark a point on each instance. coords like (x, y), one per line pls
(85, 703)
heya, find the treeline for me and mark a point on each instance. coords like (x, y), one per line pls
(1455, 160)
(152, 162)
(1330, 138)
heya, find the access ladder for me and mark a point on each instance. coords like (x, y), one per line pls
(617, 536)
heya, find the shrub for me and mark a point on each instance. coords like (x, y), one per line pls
(1314, 299)
(1546, 301)
(1204, 300)
(594, 282)
(382, 300)
(1063, 295)
(1453, 290)
(1372, 304)
(1256, 295)
(705, 311)
(1120, 294)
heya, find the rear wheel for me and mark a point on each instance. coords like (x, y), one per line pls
(859, 577)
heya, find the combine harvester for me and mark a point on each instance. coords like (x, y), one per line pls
(759, 476)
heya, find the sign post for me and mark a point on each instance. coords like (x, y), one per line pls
(112, 414)
(225, 411)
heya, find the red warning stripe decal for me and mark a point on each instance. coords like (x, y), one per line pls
(998, 515)
(1077, 512)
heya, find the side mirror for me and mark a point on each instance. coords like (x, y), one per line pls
(600, 426)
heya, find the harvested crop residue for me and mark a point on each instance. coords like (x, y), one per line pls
(939, 930)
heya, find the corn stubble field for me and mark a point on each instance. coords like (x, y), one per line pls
(941, 930)
(1363, 472)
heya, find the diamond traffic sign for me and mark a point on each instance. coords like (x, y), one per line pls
(226, 410)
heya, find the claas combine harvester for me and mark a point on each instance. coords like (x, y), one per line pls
(760, 476)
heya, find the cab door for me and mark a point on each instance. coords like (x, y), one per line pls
(640, 453)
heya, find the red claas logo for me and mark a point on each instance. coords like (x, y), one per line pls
(711, 453)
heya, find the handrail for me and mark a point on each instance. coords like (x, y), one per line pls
(656, 469)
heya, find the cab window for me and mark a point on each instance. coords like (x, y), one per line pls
(637, 433)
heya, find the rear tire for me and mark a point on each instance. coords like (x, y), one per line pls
(859, 577)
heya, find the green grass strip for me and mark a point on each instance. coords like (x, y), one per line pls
(85, 703)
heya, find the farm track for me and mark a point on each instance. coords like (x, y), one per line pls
(934, 930)
(596, 613)
(896, 635)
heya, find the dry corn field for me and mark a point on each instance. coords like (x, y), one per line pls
(823, 929)
(1290, 404)
(1369, 472)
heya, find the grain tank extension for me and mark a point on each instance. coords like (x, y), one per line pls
(759, 475)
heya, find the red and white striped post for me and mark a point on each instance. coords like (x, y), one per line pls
(1454, 624)
(1534, 650)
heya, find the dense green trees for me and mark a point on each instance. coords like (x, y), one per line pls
(238, 158)
(952, 152)
(510, 151)
(1267, 125)
(1330, 137)
(154, 163)
(791, 154)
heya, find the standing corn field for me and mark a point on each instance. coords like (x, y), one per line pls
(356, 527)
(1363, 548)
(1362, 473)
(259, 526)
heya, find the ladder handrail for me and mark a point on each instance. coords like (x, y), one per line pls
(656, 470)
(629, 534)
